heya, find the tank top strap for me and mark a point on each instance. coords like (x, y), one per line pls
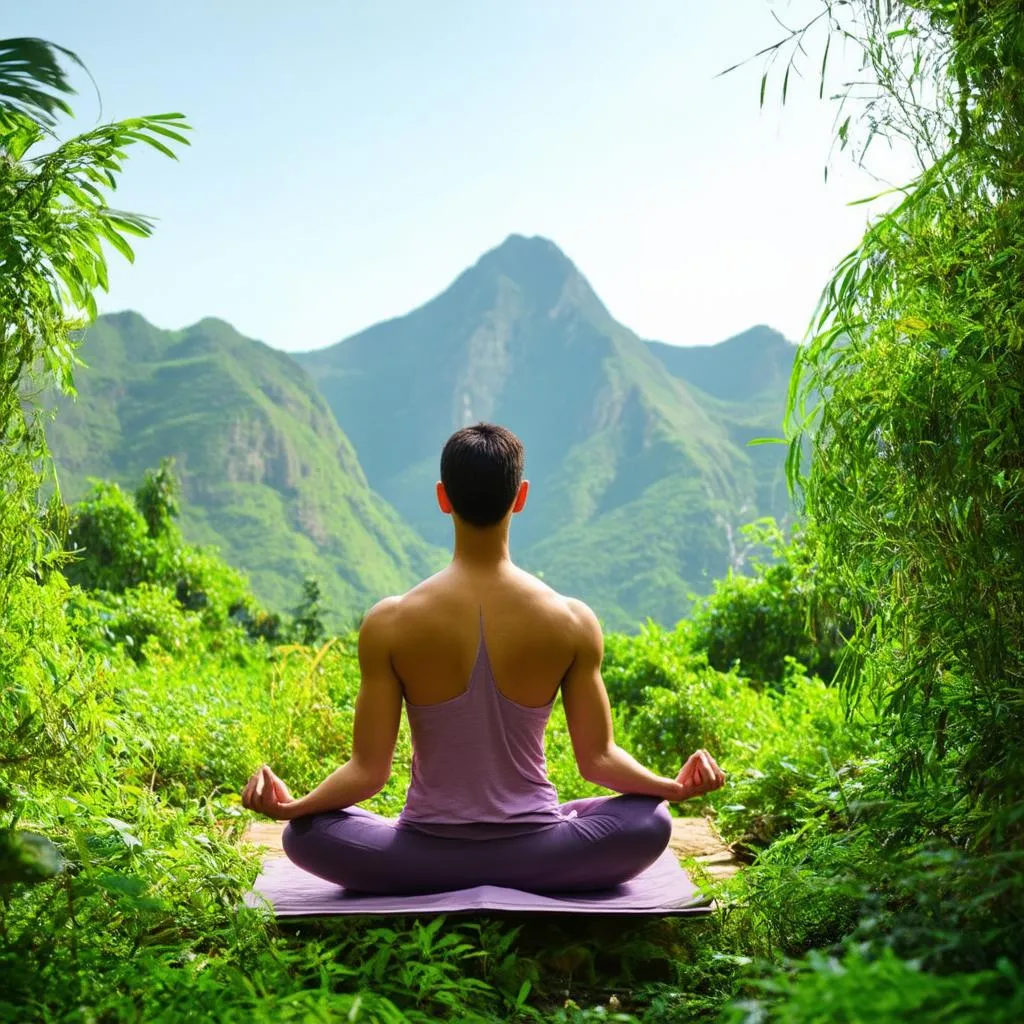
(482, 676)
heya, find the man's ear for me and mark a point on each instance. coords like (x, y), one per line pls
(524, 490)
(442, 499)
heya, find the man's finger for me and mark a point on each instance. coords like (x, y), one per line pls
(257, 792)
(713, 774)
(708, 778)
(269, 793)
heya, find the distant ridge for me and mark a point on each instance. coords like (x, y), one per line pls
(741, 368)
(324, 462)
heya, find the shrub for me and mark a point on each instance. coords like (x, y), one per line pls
(756, 622)
(148, 618)
(859, 986)
(111, 542)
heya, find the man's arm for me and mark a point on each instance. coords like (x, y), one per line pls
(589, 718)
(374, 733)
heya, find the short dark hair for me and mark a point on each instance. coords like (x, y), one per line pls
(481, 469)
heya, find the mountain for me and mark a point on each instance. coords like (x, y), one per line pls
(743, 382)
(745, 368)
(640, 477)
(267, 474)
(325, 463)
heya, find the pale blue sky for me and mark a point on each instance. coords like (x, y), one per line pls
(350, 159)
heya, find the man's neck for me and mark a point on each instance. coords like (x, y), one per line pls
(481, 548)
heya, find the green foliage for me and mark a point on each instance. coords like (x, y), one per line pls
(785, 750)
(307, 623)
(131, 555)
(55, 217)
(761, 620)
(54, 222)
(905, 427)
(914, 481)
(157, 498)
(26, 857)
(203, 582)
(855, 987)
(32, 79)
(110, 541)
(149, 614)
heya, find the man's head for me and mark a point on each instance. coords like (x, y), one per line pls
(482, 475)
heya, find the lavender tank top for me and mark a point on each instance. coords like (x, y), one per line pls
(478, 764)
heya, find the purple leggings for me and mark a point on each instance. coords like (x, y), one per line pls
(610, 840)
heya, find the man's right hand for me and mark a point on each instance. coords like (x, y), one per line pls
(699, 775)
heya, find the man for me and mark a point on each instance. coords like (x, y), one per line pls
(478, 652)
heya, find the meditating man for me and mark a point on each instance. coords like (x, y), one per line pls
(478, 652)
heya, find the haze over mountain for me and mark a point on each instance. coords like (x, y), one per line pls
(325, 463)
(640, 478)
(267, 474)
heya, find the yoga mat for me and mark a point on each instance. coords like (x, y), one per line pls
(663, 889)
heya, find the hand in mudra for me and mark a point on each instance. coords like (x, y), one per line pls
(700, 775)
(266, 793)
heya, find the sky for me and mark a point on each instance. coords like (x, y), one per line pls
(349, 160)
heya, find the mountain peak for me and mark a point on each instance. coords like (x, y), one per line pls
(758, 338)
(546, 278)
(528, 261)
(756, 361)
(214, 324)
(535, 246)
(128, 319)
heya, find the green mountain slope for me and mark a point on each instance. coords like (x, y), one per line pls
(751, 366)
(742, 382)
(267, 474)
(639, 479)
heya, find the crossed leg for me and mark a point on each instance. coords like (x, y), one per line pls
(608, 841)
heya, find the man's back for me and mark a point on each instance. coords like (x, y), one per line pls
(435, 631)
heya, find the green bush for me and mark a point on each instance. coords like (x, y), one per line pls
(787, 751)
(757, 622)
(803, 761)
(857, 987)
(110, 541)
(148, 618)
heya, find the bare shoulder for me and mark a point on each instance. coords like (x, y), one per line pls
(587, 628)
(571, 615)
(379, 622)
